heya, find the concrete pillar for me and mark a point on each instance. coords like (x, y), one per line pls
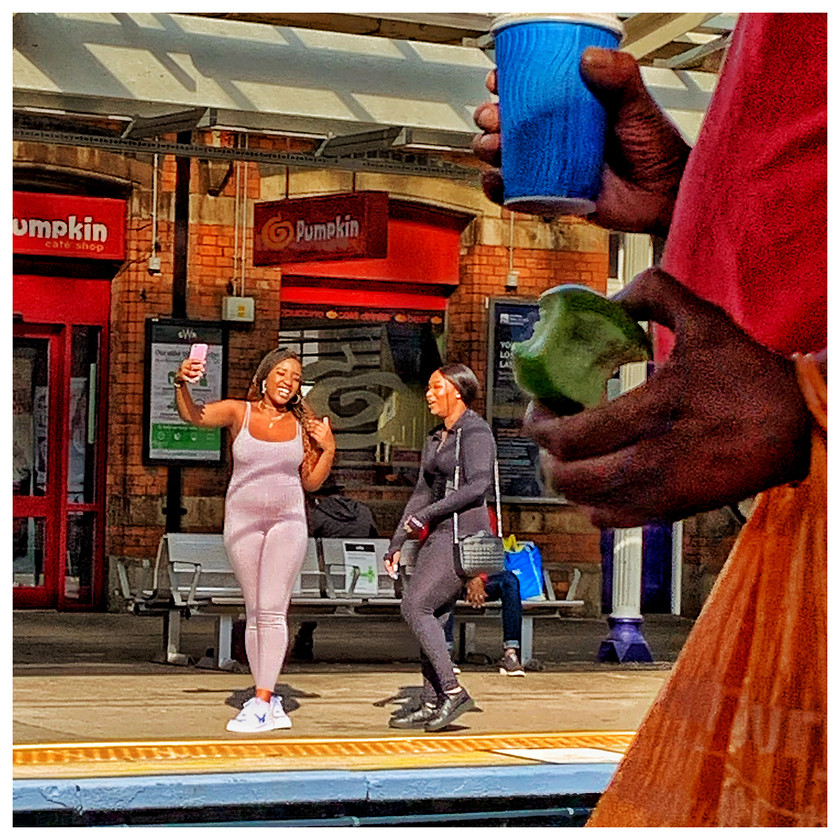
(625, 642)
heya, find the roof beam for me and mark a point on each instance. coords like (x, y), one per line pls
(165, 124)
(697, 57)
(387, 163)
(352, 144)
(649, 31)
(434, 28)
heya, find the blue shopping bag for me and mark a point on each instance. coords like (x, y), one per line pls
(525, 561)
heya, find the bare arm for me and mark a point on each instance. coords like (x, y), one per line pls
(222, 413)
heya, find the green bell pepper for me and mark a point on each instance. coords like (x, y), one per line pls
(579, 342)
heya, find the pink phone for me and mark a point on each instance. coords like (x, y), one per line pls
(198, 353)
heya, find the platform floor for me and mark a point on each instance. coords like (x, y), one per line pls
(98, 723)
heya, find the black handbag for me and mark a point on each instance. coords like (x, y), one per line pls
(481, 553)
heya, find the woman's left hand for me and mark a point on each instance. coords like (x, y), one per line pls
(321, 432)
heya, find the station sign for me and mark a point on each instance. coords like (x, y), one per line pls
(327, 227)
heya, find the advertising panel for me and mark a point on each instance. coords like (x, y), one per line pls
(519, 457)
(168, 439)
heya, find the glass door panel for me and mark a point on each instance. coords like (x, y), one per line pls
(78, 571)
(82, 485)
(34, 467)
(30, 416)
(28, 551)
(81, 460)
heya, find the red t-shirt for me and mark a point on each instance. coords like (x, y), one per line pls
(749, 226)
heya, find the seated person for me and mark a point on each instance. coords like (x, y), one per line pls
(504, 587)
(332, 514)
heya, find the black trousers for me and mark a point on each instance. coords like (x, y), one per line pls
(429, 599)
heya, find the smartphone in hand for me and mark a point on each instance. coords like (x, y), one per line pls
(198, 353)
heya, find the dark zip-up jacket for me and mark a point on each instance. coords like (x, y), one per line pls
(434, 500)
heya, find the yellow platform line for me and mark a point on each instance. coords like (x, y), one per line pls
(127, 758)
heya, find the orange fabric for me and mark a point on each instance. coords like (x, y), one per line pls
(737, 735)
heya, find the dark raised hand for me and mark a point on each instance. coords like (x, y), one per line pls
(722, 419)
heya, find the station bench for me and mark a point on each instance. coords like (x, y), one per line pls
(191, 576)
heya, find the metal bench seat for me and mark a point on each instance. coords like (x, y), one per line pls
(191, 575)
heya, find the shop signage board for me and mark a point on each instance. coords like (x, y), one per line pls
(167, 438)
(519, 457)
(328, 227)
(50, 225)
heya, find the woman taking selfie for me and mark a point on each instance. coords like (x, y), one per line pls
(279, 451)
(435, 583)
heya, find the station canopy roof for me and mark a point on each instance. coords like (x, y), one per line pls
(356, 83)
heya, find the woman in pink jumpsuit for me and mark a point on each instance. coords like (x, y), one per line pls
(279, 451)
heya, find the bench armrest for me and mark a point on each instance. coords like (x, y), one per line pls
(356, 573)
(548, 589)
(147, 588)
(191, 594)
(125, 586)
(573, 585)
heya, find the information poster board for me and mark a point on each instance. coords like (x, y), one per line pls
(167, 438)
(362, 555)
(519, 457)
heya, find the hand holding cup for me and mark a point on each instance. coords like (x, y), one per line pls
(552, 128)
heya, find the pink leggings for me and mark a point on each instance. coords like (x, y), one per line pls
(266, 558)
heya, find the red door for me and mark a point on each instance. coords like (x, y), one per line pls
(58, 466)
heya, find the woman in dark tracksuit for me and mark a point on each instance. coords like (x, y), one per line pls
(435, 584)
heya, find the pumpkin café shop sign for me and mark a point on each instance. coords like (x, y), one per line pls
(328, 227)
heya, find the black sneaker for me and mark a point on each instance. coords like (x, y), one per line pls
(510, 666)
(453, 706)
(410, 705)
(415, 719)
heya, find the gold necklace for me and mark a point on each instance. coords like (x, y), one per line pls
(278, 415)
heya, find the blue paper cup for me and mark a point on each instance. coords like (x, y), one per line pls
(552, 127)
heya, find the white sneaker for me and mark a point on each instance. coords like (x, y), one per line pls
(278, 714)
(255, 716)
